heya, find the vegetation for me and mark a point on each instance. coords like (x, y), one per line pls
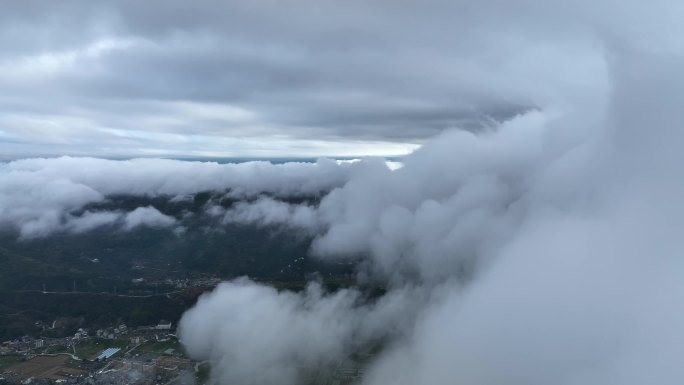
(101, 265)
(92, 348)
(159, 347)
(8, 361)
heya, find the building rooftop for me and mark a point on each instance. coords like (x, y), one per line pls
(107, 353)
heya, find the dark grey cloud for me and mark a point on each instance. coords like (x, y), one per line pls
(108, 78)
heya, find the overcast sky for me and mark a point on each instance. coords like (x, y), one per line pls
(275, 78)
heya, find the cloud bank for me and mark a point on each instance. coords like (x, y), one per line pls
(42, 196)
(261, 336)
(548, 250)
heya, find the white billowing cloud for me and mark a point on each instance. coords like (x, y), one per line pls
(52, 221)
(279, 324)
(268, 211)
(550, 248)
(147, 216)
(40, 196)
(154, 177)
(36, 205)
(452, 203)
(433, 215)
(90, 220)
(569, 301)
(258, 335)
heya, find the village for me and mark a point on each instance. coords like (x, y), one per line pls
(114, 355)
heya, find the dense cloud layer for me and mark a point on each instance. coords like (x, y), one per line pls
(269, 78)
(290, 335)
(549, 248)
(41, 196)
(543, 261)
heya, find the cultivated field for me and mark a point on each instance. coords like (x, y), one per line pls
(49, 367)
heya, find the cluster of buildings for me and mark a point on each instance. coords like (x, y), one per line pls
(124, 370)
(112, 333)
(117, 363)
(133, 371)
(180, 283)
(26, 345)
(121, 331)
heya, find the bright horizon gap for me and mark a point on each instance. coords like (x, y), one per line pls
(252, 149)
